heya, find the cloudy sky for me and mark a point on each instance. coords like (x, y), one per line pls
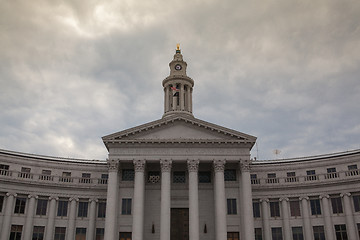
(284, 71)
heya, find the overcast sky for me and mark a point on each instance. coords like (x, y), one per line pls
(284, 71)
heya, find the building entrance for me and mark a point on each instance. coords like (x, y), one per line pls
(179, 224)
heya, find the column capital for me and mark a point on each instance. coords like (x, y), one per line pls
(11, 194)
(33, 196)
(73, 199)
(139, 165)
(304, 197)
(193, 165)
(264, 200)
(324, 196)
(284, 199)
(245, 165)
(219, 165)
(165, 165)
(93, 200)
(53, 198)
(113, 165)
(345, 194)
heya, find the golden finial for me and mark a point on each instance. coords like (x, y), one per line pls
(178, 46)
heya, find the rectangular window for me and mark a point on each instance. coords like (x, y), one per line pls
(340, 231)
(315, 206)
(231, 206)
(126, 206)
(295, 207)
(336, 205)
(4, 170)
(352, 167)
(258, 234)
(41, 207)
(358, 226)
(291, 177)
(66, 177)
(83, 209)
(319, 233)
(331, 170)
(127, 175)
(62, 208)
(104, 178)
(80, 234)
(1, 203)
(100, 234)
(297, 233)
(274, 208)
(256, 209)
(179, 177)
(276, 233)
(153, 176)
(46, 175)
(356, 199)
(230, 175)
(124, 235)
(311, 175)
(331, 173)
(102, 209)
(85, 178)
(204, 177)
(271, 178)
(15, 233)
(38, 233)
(233, 236)
(59, 233)
(20, 205)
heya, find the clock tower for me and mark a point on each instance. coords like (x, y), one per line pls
(178, 88)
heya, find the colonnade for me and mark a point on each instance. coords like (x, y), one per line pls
(185, 98)
(50, 225)
(306, 219)
(165, 205)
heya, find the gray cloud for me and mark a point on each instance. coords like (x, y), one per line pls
(286, 72)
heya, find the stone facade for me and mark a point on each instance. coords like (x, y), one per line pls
(179, 163)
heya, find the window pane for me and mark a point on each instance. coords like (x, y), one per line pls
(230, 175)
(83, 209)
(258, 234)
(274, 209)
(204, 177)
(126, 206)
(315, 207)
(20, 205)
(100, 234)
(128, 175)
(256, 209)
(297, 233)
(356, 199)
(59, 233)
(62, 208)
(336, 205)
(38, 233)
(319, 233)
(102, 209)
(276, 233)
(231, 206)
(41, 207)
(295, 208)
(179, 177)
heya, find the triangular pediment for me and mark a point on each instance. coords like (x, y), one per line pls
(179, 128)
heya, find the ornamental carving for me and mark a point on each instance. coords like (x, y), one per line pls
(324, 196)
(11, 194)
(304, 197)
(245, 166)
(53, 198)
(193, 165)
(165, 165)
(32, 196)
(284, 199)
(113, 165)
(139, 165)
(73, 199)
(264, 200)
(345, 194)
(219, 165)
(93, 200)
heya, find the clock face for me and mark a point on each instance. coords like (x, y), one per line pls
(178, 67)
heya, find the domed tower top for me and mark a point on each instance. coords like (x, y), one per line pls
(178, 87)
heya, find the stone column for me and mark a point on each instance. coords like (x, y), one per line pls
(220, 201)
(285, 218)
(139, 200)
(190, 100)
(49, 230)
(327, 217)
(265, 218)
(166, 97)
(193, 167)
(112, 201)
(8, 210)
(182, 100)
(30, 217)
(247, 207)
(349, 217)
(92, 220)
(306, 217)
(174, 100)
(165, 199)
(71, 222)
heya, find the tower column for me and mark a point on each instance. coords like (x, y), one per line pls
(5, 233)
(72, 215)
(30, 217)
(139, 200)
(265, 219)
(112, 201)
(247, 208)
(220, 200)
(306, 217)
(193, 167)
(285, 218)
(181, 96)
(327, 217)
(49, 231)
(349, 217)
(92, 219)
(165, 199)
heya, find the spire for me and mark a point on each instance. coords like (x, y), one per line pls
(178, 87)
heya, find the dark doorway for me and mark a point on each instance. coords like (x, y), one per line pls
(179, 224)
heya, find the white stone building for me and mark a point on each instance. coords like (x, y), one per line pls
(179, 178)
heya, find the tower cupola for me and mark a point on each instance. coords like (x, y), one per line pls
(178, 87)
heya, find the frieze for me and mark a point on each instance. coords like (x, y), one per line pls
(139, 165)
(193, 165)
